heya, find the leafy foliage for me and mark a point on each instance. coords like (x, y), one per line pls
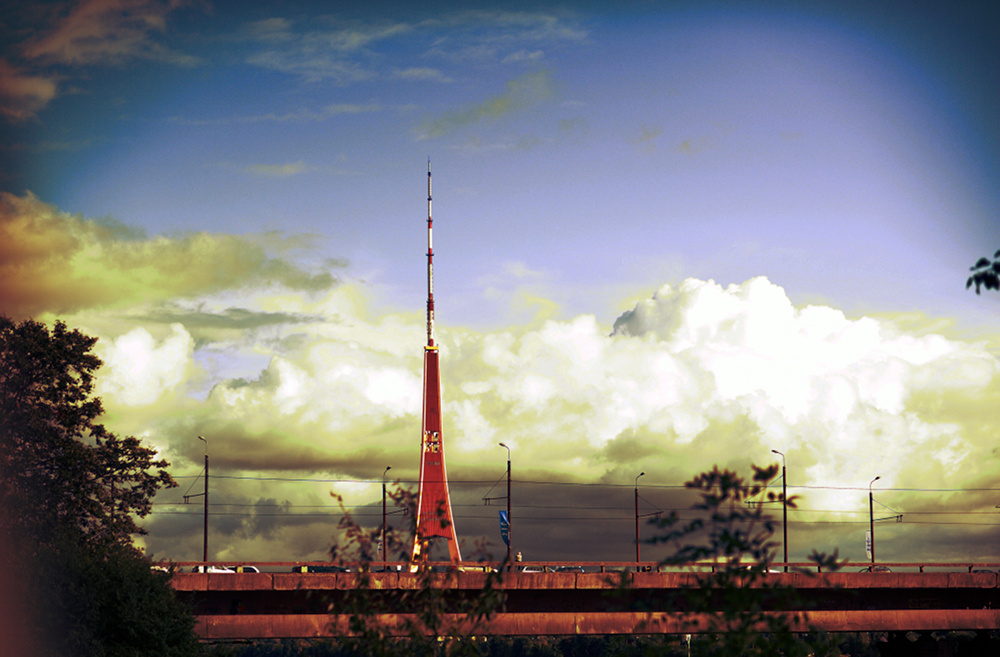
(59, 468)
(985, 273)
(107, 602)
(427, 619)
(736, 596)
(70, 491)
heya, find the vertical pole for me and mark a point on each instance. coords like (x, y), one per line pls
(637, 520)
(383, 513)
(204, 547)
(510, 524)
(871, 518)
(637, 524)
(784, 506)
(871, 523)
(784, 510)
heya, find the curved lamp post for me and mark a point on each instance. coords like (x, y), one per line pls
(187, 498)
(204, 548)
(637, 518)
(387, 468)
(871, 517)
(784, 506)
(510, 533)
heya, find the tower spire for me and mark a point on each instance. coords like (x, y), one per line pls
(434, 517)
(430, 262)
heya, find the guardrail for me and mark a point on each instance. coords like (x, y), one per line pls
(590, 566)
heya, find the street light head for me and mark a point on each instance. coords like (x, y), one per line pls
(504, 446)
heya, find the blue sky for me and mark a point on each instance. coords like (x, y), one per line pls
(621, 147)
(232, 196)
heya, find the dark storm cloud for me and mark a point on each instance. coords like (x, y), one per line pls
(52, 261)
(230, 318)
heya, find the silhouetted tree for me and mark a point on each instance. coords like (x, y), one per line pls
(70, 491)
(426, 621)
(107, 602)
(748, 613)
(59, 468)
(985, 273)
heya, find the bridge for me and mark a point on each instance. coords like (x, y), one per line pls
(547, 598)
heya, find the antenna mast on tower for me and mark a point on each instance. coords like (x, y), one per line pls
(434, 517)
(430, 263)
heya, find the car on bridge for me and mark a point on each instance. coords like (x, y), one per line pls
(212, 569)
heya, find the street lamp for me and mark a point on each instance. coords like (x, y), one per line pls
(637, 518)
(784, 506)
(187, 498)
(871, 518)
(204, 547)
(387, 468)
(510, 538)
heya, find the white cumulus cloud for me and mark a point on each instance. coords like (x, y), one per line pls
(695, 376)
(138, 371)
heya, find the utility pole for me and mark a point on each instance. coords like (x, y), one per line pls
(510, 534)
(382, 542)
(871, 518)
(637, 519)
(784, 506)
(505, 521)
(187, 498)
(204, 545)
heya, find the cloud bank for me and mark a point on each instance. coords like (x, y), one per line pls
(51, 261)
(302, 389)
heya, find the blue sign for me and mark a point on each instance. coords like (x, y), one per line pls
(505, 528)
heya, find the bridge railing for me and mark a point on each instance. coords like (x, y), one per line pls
(575, 566)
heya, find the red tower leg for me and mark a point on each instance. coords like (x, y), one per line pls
(434, 517)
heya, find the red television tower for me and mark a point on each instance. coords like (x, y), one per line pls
(434, 519)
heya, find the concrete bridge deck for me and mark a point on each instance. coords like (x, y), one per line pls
(560, 599)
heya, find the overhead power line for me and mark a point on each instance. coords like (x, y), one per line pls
(531, 482)
(546, 518)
